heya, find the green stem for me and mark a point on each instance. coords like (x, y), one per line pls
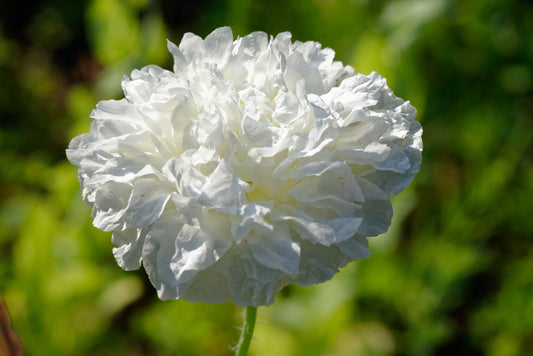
(247, 331)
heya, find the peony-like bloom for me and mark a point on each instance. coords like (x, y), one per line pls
(255, 163)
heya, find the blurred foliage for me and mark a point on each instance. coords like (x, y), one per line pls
(453, 274)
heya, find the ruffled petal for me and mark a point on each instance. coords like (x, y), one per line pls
(319, 263)
(128, 252)
(356, 247)
(251, 216)
(327, 232)
(276, 250)
(377, 210)
(147, 202)
(218, 46)
(190, 46)
(179, 58)
(222, 188)
(110, 202)
(256, 163)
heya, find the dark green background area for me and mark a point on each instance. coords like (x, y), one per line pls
(453, 276)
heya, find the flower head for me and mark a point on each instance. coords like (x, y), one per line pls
(255, 163)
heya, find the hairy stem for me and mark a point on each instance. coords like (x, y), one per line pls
(247, 331)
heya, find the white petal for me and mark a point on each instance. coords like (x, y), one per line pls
(299, 68)
(222, 187)
(327, 232)
(179, 59)
(189, 180)
(251, 216)
(287, 108)
(356, 247)
(123, 170)
(218, 45)
(311, 169)
(110, 201)
(190, 46)
(373, 154)
(377, 210)
(319, 263)
(198, 247)
(157, 253)
(335, 185)
(115, 118)
(147, 202)
(396, 161)
(180, 118)
(245, 282)
(128, 252)
(275, 251)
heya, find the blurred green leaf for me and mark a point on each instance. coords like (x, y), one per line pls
(113, 30)
(451, 275)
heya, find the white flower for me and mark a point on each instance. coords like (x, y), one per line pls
(254, 164)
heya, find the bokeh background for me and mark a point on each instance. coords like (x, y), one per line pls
(453, 276)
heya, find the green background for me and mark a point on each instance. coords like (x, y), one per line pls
(453, 276)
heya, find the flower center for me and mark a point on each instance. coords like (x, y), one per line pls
(258, 193)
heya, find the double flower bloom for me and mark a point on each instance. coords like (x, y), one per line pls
(254, 164)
